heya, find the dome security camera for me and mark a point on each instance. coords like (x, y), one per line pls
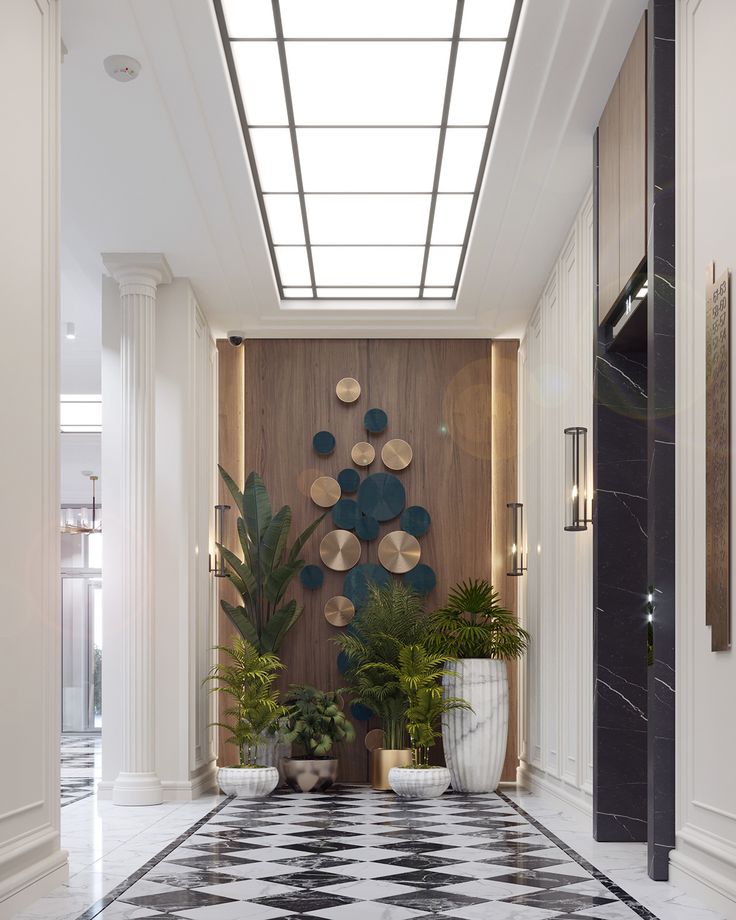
(236, 338)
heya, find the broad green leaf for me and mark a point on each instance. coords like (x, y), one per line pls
(274, 539)
(249, 588)
(242, 623)
(256, 508)
(278, 581)
(303, 537)
(279, 624)
(233, 487)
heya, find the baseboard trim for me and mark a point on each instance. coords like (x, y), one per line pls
(28, 885)
(203, 782)
(529, 778)
(705, 870)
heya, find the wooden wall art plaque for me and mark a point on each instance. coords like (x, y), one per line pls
(718, 460)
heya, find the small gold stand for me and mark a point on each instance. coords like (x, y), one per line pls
(381, 762)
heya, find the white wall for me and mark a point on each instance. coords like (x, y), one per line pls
(705, 859)
(185, 495)
(31, 861)
(556, 594)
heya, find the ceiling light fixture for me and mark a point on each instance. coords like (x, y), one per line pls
(122, 67)
(85, 522)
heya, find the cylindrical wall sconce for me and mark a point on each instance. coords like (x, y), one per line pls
(576, 479)
(218, 569)
(516, 555)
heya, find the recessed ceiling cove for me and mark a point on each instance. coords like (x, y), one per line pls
(368, 127)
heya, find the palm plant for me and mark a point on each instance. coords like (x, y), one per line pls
(267, 568)
(390, 618)
(315, 720)
(473, 624)
(255, 708)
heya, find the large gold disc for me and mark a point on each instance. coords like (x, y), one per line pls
(363, 453)
(374, 739)
(396, 454)
(339, 550)
(339, 610)
(347, 389)
(325, 491)
(399, 552)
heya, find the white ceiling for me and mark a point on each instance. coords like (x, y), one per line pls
(159, 164)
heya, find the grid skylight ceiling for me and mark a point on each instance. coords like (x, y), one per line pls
(368, 125)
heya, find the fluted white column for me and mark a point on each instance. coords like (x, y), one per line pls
(138, 275)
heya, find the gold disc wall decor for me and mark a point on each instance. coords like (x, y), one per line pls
(363, 453)
(399, 552)
(396, 454)
(339, 610)
(339, 550)
(325, 491)
(347, 389)
(374, 739)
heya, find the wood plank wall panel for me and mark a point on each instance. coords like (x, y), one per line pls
(230, 451)
(504, 386)
(608, 205)
(633, 156)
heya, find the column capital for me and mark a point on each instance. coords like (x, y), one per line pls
(148, 268)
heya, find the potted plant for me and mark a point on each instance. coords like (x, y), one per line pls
(315, 722)
(254, 710)
(419, 673)
(481, 635)
(390, 618)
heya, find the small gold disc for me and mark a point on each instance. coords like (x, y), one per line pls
(339, 550)
(325, 491)
(363, 453)
(399, 551)
(374, 739)
(339, 610)
(347, 389)
(396, 454)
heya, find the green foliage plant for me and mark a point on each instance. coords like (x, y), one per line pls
(254, 708)
(473, 624)
(390, 618)
(315, 720)
(267, 567)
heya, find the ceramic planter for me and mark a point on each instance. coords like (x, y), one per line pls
(305, 775)
(382, 760)
(270, 752)
(412, 783)
(248, 782)
(475, 741)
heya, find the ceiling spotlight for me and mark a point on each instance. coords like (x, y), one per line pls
(121, 67)
(71, 332)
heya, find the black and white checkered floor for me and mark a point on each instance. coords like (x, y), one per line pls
(80, 755)
(356, 854)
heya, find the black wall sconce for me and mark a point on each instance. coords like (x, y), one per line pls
(516, 556)
(218, 569)
(576, 479)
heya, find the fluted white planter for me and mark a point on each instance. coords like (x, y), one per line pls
(425, 783)
(248, 782)
(475, 742)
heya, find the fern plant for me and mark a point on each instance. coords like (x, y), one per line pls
(267, 567)
(255, 708)
(315, 720)
(390, 618)
(473, 624)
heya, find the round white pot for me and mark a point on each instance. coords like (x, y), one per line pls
(475, 742)
(410, 783)
(248, 782)
(271, 752)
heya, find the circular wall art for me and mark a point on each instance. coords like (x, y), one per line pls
(345, 514)
(325, 491)
(363, 453)
(421, 579)
(415, 520)
(349, 480)
(323, 443)
(366, 526)
(343, 662)
(382, 496)
(396, 454)
(339, 610)
(399, 552)
(374, 739)
(339, 550)
(357, 580)
(360, 712)
(347, 389)
(375, 421)
(312, 576)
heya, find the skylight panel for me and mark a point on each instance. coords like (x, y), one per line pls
(367, 127)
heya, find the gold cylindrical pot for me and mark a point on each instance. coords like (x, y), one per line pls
(382, 760)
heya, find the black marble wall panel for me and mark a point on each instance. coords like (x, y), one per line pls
(661, 430)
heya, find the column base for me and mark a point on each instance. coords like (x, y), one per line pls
(137, 789)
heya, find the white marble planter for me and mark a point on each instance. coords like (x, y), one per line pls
(475, 742)
(248, 782)
(410, 783)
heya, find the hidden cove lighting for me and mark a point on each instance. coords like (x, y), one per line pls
(367, 128)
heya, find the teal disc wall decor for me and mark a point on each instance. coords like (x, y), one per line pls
(357, 580)
(343, 662)
(382, 496)
(421, 579)
(323, 443)
(360, 712)
(349, 480)
(375, 421)
(345, 514)
(311, 577)
(415, 520)
(366, 526)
